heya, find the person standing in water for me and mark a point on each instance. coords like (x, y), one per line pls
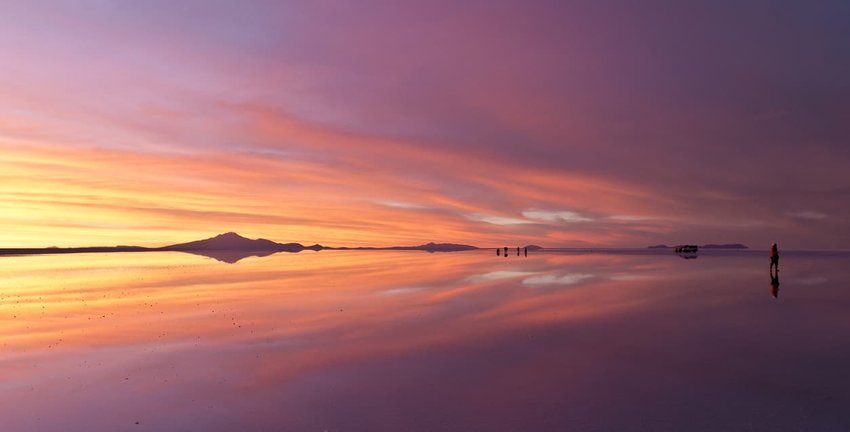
(774, 257)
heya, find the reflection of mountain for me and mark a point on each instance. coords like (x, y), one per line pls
(229, 256)
(708, 246)
(231, 247)
(725, 246)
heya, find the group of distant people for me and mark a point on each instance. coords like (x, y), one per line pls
(518, 251)
(774, 264)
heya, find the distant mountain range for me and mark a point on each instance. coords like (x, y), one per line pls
(708, 246)
(231, 247)
(233, 241)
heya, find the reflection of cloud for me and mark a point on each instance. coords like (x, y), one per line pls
(567, 279)
(811, 215)
(815, 280)
(554, 216)
(496, 275)
(631, 218)
(630, 277)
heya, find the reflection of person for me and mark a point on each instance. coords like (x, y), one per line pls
(774, 257)
(774, 284)
(498, 251)
(526, 251)
(517, 251)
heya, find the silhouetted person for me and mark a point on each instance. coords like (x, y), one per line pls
(517, 251)
(774, 258)
(526, 251)
(774, 284)
(506, 251)
(498, 251)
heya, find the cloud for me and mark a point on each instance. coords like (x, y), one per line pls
(402, 205)
(556, 216)
(400, 290)
(323, 102)
(497, 220)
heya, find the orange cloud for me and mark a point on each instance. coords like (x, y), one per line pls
(309, 184)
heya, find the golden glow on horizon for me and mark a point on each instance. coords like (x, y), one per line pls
(102, 197)
(350, 137)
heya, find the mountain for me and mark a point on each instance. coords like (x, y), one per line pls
(59, 250)
(440, 247)
(533, 247)
(235, 242)
(428, 247)
(230, 247)
(231, 242)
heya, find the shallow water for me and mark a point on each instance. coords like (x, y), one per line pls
(379, 340)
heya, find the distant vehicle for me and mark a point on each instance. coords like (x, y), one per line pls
(687, 249)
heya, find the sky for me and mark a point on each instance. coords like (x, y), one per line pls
(378, 123)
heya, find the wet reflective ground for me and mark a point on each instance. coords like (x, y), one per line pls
(376, 340)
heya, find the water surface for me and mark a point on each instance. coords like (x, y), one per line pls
(380, 340)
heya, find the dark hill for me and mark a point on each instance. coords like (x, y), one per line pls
(232, 241)
(428, 247)
(442, 247)
(230, 247)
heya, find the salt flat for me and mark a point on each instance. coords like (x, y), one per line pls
(387, 340)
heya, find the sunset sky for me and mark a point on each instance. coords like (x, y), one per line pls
(377, 123)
